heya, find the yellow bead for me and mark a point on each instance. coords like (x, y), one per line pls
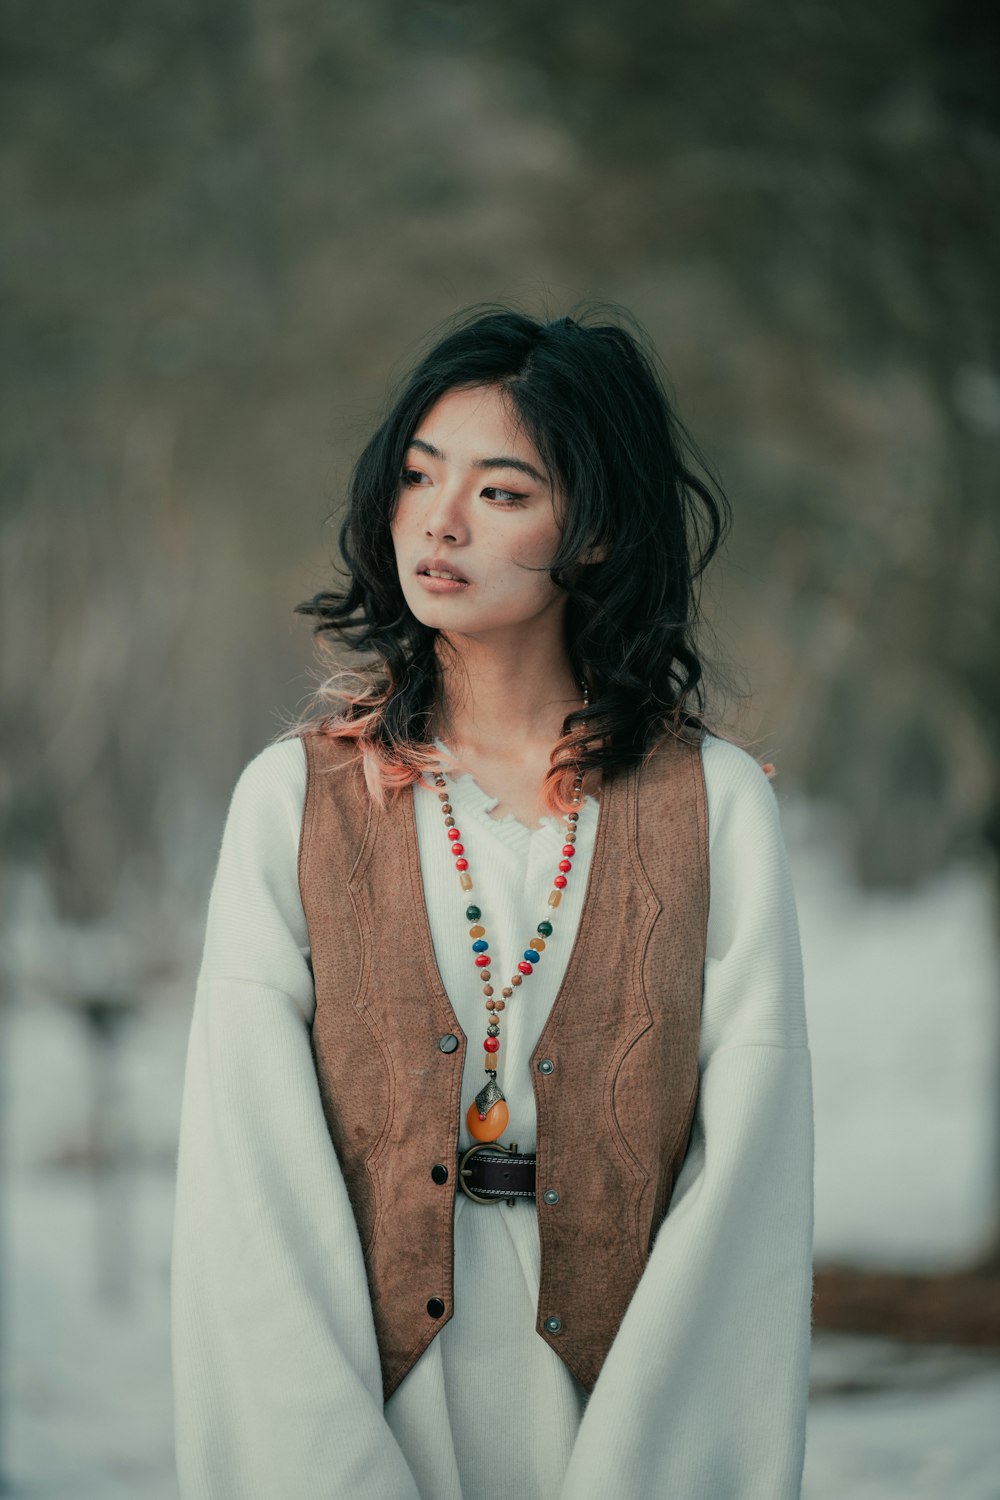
(492, 1128)
(477, 931)
(538, 944)
(466, 882)
(555, 897)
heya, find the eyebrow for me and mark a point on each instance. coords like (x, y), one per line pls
(501, 462)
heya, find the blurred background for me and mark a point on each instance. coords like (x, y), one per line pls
(226, 226)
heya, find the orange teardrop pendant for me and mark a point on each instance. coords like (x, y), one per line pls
(492, 1128)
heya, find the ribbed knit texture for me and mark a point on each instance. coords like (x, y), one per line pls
(276, 1370)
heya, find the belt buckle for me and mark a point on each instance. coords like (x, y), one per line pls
(462, 1171)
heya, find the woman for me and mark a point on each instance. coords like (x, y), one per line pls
(495, 1172)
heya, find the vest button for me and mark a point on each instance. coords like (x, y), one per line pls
(448, 1043)
(435, 1307)
(552, 1325)
(439, 1172)
(546, 1065)
(550, 1196)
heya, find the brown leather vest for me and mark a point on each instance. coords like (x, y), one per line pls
(614, 1110)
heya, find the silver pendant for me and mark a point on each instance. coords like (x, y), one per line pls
(490, 1094)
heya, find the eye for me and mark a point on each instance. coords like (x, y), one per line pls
(411, 476)
(506, 498)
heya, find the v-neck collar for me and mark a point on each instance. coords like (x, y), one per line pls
(509, 828)
(607, 811)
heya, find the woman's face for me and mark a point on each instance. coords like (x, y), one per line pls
(476, 504)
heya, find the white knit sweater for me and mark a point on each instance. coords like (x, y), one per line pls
(276, 1370)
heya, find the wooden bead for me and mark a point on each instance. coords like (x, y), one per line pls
(487, 989)
(515, 979)
(499, 1004)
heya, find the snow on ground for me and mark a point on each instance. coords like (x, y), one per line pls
(903, 1006)
(902, 1000)
(894, 1422)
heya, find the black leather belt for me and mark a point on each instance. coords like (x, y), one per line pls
(488, 1172)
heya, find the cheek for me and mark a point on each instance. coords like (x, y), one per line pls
(401, 525)
(538, 550)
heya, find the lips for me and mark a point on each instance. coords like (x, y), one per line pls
(438, 567)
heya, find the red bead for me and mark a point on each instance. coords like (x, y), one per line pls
(482, 960)
(461, 864)
(525, 967)
(458, 848)
(491, 1044)
(453, 833)
(569, 850)
(564, 864)
(559, 882)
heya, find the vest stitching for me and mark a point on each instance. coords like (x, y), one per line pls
(678, 1147)
(655, 912)
(608, 806)
(436, 987)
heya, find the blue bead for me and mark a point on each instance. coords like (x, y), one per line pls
(531, 955)
(480, 945)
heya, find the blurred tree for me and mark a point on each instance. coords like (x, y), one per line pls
(224, 225)
(836, 168)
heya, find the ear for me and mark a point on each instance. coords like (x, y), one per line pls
(591, 555)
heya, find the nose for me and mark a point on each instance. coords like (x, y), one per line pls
(446, 521)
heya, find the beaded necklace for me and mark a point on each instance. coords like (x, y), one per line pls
(488, 1116)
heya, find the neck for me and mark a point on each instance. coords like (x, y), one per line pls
(495, 699)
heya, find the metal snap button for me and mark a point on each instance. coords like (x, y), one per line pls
(552, 1325)
(550, 1196)
(449, 1043)
(546, 1065)
(435, 1307)
(439, 1172)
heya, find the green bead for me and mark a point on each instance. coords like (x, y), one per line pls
(473, 913)
(545, 928)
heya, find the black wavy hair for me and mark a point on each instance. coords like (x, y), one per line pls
(590, 396)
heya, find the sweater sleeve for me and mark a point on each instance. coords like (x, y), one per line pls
(703, 1393)
(277, 1383)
